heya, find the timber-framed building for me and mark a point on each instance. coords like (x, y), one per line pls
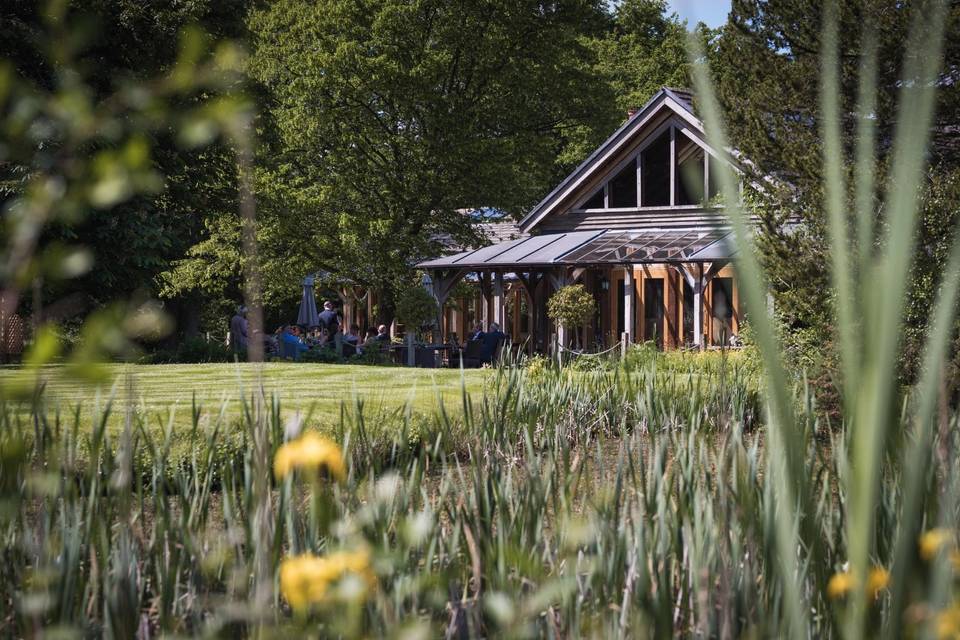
(636, 223)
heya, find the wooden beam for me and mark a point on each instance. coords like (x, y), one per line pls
(498, 299)
(673, 166)
(628, 299)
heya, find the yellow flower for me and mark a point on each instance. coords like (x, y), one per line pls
(947, 623)
(877, 581)
(842, 583)
(310, 451)
(305, 579)
(933, 541)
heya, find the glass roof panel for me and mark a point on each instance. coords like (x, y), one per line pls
(661, 245)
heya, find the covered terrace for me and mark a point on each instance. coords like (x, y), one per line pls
(662, 278)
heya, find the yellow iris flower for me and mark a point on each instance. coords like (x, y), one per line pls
(306, 579)
(842, 583)
(310, 451)
(933, 541)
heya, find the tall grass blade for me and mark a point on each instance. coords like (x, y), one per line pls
(884, 305)
(835, 198)
(791, 491)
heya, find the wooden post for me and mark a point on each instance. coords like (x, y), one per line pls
(498, 300)
(698, 308)
(673, 166)
(411, 359)
(628, 291)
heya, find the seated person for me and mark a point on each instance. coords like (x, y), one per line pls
(370, 342)
(477, 333)
(383, 334)
(353, 336)
(292, 344)
(492, 340)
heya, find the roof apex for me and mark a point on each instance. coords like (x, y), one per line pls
(677, 100)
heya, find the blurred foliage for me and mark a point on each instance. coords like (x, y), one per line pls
(767, 68)
(109, 113)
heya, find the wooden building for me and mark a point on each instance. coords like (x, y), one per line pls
(636, 223)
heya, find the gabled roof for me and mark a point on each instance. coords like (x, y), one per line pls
(679, 101)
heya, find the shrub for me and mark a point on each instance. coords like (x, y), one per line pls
(571, 306)
(197, 350)
(416, 308)
(324, 355)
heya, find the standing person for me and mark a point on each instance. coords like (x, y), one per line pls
(238, 330)
(329, 319)
(382, 334)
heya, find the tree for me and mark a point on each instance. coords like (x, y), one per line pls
(114, 43)
(767, 72)
(416, 308)
(571, 306)
(393, 115)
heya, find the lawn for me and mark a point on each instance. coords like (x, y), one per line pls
(158, 389)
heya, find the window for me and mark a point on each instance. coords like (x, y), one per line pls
(714, 187)
(690, 157)
(655, 172)
(722, 296)
(623, 188)
(688, 328)
(653, 310)
(595, 201)
(687, 159)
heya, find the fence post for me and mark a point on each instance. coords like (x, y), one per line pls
(623, 344)
(411, 360)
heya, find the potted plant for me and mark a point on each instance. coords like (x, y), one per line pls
(571, 307)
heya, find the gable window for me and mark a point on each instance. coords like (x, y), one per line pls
(690, 171)
(671, 170)
(714, 181)
(623, 188)
(595, 201)
(655, 172)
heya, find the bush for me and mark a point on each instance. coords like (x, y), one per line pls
(324, 355)
(193, 350)
(416, 308)
(571, 306)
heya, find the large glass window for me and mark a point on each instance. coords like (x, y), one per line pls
(653, 311)
(623, 188)
(655, 172)
(595, 201)
(722, 297)
(687, 312)
(714, 186)
(689, 163)
(689, 171)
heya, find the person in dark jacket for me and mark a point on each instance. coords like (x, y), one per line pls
(330, 319)
(477, 333)
(238, 330)
(492, 340)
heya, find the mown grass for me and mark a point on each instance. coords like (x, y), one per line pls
(160, 391)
